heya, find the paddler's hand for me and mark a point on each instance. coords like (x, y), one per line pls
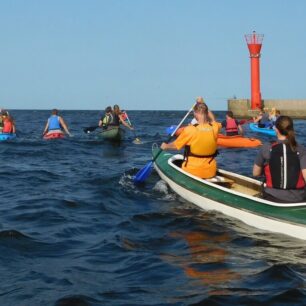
(168, 146)
(164, 146)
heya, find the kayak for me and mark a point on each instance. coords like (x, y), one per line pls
(234, 195)
(7, 136)
(254, 127)
(54, 135)
(237, 141)
(112, 133)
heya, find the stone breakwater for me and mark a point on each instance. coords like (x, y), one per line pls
(293, 108)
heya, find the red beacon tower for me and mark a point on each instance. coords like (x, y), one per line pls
(254, 42)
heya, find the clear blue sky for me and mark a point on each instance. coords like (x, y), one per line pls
(146, 54)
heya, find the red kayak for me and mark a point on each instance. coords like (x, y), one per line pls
(54, 135)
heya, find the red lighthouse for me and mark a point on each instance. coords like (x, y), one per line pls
(254, 42)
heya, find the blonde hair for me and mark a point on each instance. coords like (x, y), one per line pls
(200, 100)
(202, 108)
(273, 111)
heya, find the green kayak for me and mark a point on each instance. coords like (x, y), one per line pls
(112, 133)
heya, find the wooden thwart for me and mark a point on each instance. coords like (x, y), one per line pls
(221, 180)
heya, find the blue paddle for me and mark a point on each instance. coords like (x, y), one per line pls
(144, 172)
(170, 129)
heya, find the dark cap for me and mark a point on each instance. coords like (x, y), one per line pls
(108, 109)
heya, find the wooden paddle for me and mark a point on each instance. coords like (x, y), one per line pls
(137, 140)
(90, 129)
(143, 173)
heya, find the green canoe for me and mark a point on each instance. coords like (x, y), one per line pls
(112, 133)
(235, 195)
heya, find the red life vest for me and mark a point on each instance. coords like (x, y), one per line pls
(231, 126)
(283, 170)
(124, 115)
(7, 126)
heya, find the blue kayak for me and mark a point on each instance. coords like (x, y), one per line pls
(7, 136)
(254, 127)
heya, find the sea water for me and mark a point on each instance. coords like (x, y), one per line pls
(75, 230)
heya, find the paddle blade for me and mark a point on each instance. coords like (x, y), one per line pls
(90, 129)
(170, 129)
(143, 173)
(137, 141)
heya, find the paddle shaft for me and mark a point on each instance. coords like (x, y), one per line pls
(143, 173)
(173, 133)
(128, 119)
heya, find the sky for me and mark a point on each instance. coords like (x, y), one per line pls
(147, 54)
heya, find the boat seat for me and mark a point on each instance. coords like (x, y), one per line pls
(221, 180)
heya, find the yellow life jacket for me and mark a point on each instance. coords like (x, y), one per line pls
(203, 143)
(204, 140)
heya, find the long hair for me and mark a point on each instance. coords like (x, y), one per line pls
(202, 109)
(116, 109)
(285, 126)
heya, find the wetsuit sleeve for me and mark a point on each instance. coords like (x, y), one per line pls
(185, 137)
(263, 155)
(302, 152)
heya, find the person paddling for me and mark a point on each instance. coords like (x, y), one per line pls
(119, 117)
(55, 124)
(210, 114)
(8, 123)
(283, 164)
(263, 118)
(107, 119)
(200, 143)
(231, 125)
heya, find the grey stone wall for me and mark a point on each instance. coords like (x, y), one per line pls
(294, 108)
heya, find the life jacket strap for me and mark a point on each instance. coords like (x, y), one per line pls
(188, 153)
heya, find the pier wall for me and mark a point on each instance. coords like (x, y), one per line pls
(293, 108)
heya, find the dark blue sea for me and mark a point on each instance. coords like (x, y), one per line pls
(75, 231)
